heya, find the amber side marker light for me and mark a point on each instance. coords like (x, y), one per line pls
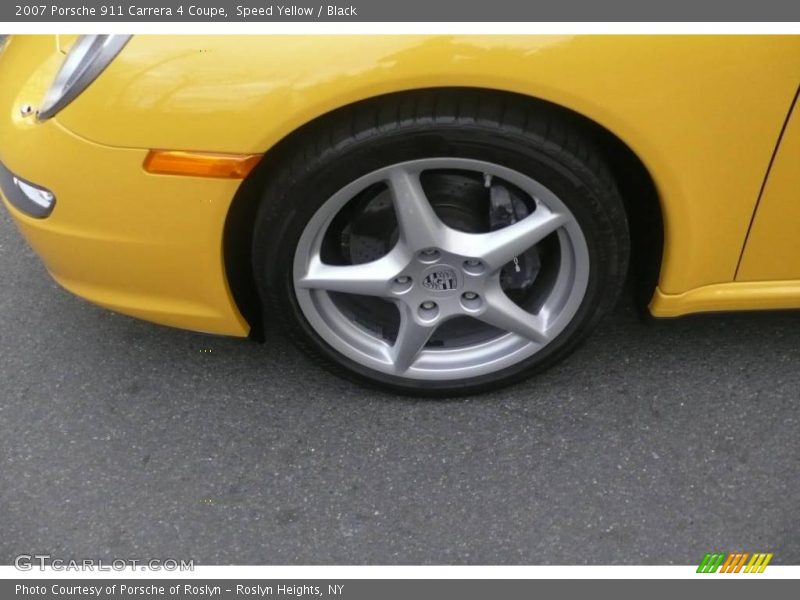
(200, 164)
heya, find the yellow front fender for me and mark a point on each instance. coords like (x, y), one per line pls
(702, 112)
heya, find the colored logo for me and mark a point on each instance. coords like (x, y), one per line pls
(734, 562)
(440, 280)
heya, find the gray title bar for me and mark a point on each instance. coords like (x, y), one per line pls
(18, 11)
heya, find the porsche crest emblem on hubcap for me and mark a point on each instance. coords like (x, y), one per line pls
(441, 280)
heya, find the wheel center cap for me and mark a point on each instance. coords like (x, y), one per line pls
(441, 278)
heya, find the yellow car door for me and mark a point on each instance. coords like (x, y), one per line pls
(772, 250)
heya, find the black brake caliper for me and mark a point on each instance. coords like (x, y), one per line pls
(506, 208)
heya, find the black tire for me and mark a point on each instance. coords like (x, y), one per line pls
(542, 143)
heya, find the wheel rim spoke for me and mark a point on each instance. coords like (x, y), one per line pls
(411, 339)
(498, 248)
(419, 225)
(367, 279)
(503, 313)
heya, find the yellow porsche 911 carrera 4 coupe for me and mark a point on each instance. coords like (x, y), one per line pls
(433, 214)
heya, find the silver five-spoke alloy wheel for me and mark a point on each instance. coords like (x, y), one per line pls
(434, 273)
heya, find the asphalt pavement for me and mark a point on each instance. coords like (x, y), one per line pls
(654, 444)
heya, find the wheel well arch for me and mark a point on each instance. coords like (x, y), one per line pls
(636, 185)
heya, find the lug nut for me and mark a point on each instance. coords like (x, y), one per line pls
(401, 284)
(470, 301)
(428, 255)
(428, 311)
(473, 266)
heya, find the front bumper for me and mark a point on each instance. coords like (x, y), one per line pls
(145, 245)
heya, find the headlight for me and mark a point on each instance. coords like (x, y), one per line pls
(87, 58)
